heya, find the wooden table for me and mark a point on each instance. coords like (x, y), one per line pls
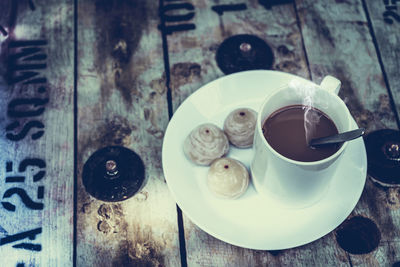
(80, 75)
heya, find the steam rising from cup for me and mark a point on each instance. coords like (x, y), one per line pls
(311, 118)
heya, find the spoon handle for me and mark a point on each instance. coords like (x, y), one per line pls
(338, 138)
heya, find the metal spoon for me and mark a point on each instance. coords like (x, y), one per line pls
(337, 138)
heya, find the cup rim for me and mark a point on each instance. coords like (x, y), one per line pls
(297, 162)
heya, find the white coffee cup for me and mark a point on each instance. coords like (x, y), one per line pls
(296, 183)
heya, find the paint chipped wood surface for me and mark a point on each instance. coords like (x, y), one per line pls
(47, 30)
(192, 53)
(330, 33)
(120, 59)
(123, 78)
(385, 23)
(279, 28)
(337, 41)
(341, 31)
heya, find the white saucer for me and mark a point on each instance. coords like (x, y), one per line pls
(253, 221)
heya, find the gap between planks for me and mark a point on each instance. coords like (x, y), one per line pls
(378, 53)
(181, 228)
(75, 100)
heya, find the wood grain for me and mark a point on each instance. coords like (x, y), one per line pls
(53, 22)
(341, 31)
(387, 41)
(337, 41)
(279, 28)
(192, 53)
(122, 101)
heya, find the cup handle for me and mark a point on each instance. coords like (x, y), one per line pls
(331, 84)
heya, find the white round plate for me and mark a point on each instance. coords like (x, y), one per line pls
(252, 221)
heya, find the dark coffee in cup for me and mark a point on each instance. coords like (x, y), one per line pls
(289, 129)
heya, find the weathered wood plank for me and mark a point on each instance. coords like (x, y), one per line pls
(338, 41)
(209, 251)
(122, 101)
(195, 50)
(192, 53)
(36, 93)
(381, 205)
(385, 22)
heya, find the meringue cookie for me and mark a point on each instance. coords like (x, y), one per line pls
(205, 143)
(227, 178)
(239, 127)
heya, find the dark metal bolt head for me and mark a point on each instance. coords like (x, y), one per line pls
(383, 155)
(111, 167)
(393, 151)
(113, 173)
(244, 52)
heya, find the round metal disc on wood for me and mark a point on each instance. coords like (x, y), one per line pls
(113, 174)
(383, 153)
(358, 235)
(244, 52)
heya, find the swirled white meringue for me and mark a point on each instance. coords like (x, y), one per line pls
(227, 178)
(206, 143)
(239, 127)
